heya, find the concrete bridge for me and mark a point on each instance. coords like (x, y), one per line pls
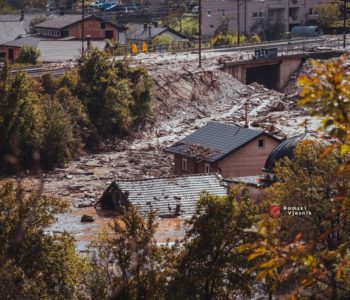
(274, 72)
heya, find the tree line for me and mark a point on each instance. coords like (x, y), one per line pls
(52, 120)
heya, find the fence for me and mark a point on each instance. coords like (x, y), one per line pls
(285, 47)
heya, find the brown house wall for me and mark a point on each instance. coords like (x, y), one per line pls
(6, 49)
(248, 160)
(193, 167)
(92, 27)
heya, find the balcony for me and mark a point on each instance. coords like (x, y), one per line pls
(295, 3)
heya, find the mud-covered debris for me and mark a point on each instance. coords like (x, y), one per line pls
(276, 105)
(86, 219)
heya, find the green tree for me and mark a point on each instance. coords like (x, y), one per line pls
(33, 264)
(59, 143)
(21, 121)
(318, 259)
(163, 39)
(28, 55)
(117, 96)
(210, 266)
(328, 14)
(140, 267)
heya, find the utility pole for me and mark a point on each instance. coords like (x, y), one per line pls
(82, 26)
(344, 15)
(200, 35)
(238, 25)
(245, 16)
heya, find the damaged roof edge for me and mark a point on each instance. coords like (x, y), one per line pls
(171, 151)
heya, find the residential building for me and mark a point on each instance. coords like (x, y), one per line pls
(147, 32)
(168, 197)
(70, 26)
(230, 150)
(253, 16)
(50, 50)
(11, 50)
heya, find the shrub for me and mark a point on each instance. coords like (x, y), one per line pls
(28, 55)
(163, 39)
(255, 38)
(227, 40)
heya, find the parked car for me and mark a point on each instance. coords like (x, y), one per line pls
(95, 4)
(134, 7)
(119, 8)
(195, 10)
(104, 6)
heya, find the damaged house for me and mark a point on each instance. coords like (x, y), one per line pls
(169, 197)
(230, 150)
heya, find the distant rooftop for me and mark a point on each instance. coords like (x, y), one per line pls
(155, 31)
(10, 30)
(25, 41)
(67, 20)
(60, 51)
(61, 21)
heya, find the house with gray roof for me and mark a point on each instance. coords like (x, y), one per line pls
(70, 26)
(148, 32)
(50, 50)
(11, 49)
(168, 197)
(229, 149)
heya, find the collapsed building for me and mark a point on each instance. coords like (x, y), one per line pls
(169, 197)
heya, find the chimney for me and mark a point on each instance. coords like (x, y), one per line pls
(246, 125)
(145, 25)
(155, 24)
(22, 16)
(150, 32)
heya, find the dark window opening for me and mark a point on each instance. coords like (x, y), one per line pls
(103, 25)
(11, 55)
(267, 75)
(261, 143)
(65, 33)
(109, 34)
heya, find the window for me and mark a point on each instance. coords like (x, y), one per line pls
(184, 164)
(222, 12)
(311, 11)
(207, 168)
(258, 14)
(121, 37)
(261, 143)
(103, 25)
(208, 13)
